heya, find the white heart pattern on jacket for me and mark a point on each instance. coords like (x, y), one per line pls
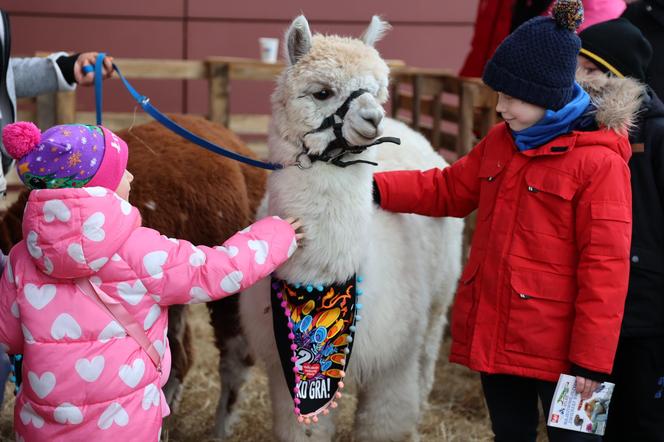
(90, 370)
(93, 227)
(125, 207)
(231, 282)
(75, 252)
(153, 263)
(65, 325)
(56, 209)
(132, 294)
(198, 294)
(152, 316)
(31, 241)
(150, 397)
(41, 385)
(67, 413)
(261, 249)
(114, 414)
(28, 415)
(96, 191)
(159, 346)
(112, 330)
(132, 374)
(98, 263)
(39, 297)
(10, 271)
(48, 265)
(292, 248)
(198, 258)
(15, 311)
(29, 339)
(231, 251)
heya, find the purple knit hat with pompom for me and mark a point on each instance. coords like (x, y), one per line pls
(69, 155)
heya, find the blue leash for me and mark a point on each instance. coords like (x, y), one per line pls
(164, 120)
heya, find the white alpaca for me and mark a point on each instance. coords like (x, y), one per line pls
(410, 264)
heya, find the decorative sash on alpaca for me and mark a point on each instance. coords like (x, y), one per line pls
(314, 328)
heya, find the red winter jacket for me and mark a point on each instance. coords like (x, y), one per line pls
(546, 280)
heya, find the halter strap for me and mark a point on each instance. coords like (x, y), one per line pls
(339, 146)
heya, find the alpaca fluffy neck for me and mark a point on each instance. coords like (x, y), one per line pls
(335, 207)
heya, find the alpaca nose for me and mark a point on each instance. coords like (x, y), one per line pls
(374, 120)
(372, 115)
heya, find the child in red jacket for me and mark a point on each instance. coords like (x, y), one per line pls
(545, 284)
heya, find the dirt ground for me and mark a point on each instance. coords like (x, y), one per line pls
(456, 411)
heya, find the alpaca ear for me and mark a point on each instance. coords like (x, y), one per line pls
(298, 40)
(376, 30)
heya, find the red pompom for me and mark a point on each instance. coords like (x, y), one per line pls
(20, 138)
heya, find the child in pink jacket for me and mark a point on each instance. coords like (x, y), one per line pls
(85, 378)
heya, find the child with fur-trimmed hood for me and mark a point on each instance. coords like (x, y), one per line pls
(608, 69)
(544, 288)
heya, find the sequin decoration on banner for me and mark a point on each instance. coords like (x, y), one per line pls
(314, 327)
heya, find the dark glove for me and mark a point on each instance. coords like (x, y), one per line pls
(66, 65)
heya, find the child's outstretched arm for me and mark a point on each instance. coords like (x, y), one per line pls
(180, 273)
(453, 191)
(603, 231)
(11, 336)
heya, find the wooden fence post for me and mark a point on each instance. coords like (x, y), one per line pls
(45, 111)
(65, 107)
(218, 78)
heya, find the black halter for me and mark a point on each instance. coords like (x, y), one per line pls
(339, 147)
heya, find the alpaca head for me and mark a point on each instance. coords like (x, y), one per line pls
(322, 73)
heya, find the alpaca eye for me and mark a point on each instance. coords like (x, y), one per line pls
(323, 95)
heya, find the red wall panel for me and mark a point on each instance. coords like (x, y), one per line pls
(338, 10)
(125, 38)
(146, 8)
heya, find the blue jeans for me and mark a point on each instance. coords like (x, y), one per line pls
(5, 368)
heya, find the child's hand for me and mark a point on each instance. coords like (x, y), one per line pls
(586, 387)
(297, 226)
(89, 59)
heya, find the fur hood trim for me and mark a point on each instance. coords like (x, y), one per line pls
(617, 100)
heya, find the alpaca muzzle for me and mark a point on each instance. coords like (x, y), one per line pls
(338, 147)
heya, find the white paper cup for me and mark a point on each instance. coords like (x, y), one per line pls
(269, 49)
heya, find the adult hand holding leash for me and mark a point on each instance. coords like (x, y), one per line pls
(84, 68)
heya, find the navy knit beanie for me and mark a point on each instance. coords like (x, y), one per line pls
(537, 62)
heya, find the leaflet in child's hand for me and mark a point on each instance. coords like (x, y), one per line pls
(570, 412)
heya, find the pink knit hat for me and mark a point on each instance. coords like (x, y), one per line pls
(70, 155)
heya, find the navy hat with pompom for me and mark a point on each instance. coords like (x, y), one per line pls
(537, 62)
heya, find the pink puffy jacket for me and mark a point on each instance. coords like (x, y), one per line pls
(84, 378)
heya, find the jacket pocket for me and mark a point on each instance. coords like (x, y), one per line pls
(541, 314)
(489, 174)
(610, 233)
(464, 303)
(546, 205)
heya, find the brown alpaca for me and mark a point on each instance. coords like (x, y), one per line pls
(184, 191)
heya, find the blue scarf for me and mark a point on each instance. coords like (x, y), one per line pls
(554, 123)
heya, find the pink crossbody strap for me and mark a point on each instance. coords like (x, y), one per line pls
(123, 317)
